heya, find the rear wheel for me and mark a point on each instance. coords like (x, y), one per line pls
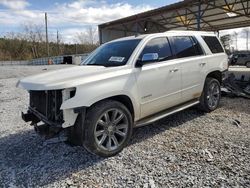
(107, 128)
(211, 95)
(248, 64)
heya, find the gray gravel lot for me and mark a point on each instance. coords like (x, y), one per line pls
(188, 149)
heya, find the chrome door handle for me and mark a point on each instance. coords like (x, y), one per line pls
(202, 64)
(174, 70)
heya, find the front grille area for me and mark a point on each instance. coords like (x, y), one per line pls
(48, 103)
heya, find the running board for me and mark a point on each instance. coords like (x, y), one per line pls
(165, 113)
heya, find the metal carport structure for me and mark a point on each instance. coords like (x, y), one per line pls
(214, 15)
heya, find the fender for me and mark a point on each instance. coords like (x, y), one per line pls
(88, 94)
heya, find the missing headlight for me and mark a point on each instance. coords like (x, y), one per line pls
(68, 93)
(72, 93)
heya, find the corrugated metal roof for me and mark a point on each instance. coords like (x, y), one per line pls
(213, 15)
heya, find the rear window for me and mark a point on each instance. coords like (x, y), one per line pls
(213, 44)
(242, 55)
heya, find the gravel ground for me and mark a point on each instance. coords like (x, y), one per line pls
(188, 149)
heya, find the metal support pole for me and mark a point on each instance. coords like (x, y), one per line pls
(247, 33)
(198, 17)
(46, 28)
(236, 40)
(100, 30)
(137, 28)
(57, 41)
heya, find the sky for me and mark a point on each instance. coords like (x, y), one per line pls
(71, 17)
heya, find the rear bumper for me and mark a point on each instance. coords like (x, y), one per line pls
(34, 117)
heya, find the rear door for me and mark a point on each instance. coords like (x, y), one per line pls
(159, 82)
(191, 57)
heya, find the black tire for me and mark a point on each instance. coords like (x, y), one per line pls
(248, 64)
(205, 99)
(87, 131)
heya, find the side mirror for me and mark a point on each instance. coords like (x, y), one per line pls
(146, 58)
(149, 57)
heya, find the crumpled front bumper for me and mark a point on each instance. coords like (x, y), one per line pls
(35, 117)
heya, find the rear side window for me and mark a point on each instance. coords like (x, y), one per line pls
(213, 44)
(160, 46)
(184, 46)
(242, 55)
(197, 46)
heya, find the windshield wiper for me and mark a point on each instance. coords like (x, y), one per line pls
(94, 65)
(105, 65)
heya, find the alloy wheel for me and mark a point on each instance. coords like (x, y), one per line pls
(213, 95)
(111, 129)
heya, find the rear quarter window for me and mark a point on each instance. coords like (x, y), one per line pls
(213, 44)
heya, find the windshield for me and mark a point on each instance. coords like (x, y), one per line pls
(113, 54)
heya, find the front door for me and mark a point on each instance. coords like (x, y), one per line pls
(159, 82)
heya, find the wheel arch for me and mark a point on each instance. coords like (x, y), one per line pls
(247, 63)
(124, 99)
(215, 74)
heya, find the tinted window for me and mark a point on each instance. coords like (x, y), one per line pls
(113, 54)
(160, 46)
(197, 46)
(213, 44)
(184, 47)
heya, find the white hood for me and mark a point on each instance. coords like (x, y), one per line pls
(68, 77)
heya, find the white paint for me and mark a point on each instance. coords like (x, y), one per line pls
(151, 88)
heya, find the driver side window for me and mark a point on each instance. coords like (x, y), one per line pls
(160, 46)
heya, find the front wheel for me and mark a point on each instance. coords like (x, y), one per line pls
(211, 95)
(107, 128)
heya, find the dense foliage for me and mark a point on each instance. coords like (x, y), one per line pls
(23, 49)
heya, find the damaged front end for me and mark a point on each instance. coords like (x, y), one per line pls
(45, 112)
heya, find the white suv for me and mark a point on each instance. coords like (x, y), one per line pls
(127, 83)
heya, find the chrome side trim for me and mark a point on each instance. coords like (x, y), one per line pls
(165, 113)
